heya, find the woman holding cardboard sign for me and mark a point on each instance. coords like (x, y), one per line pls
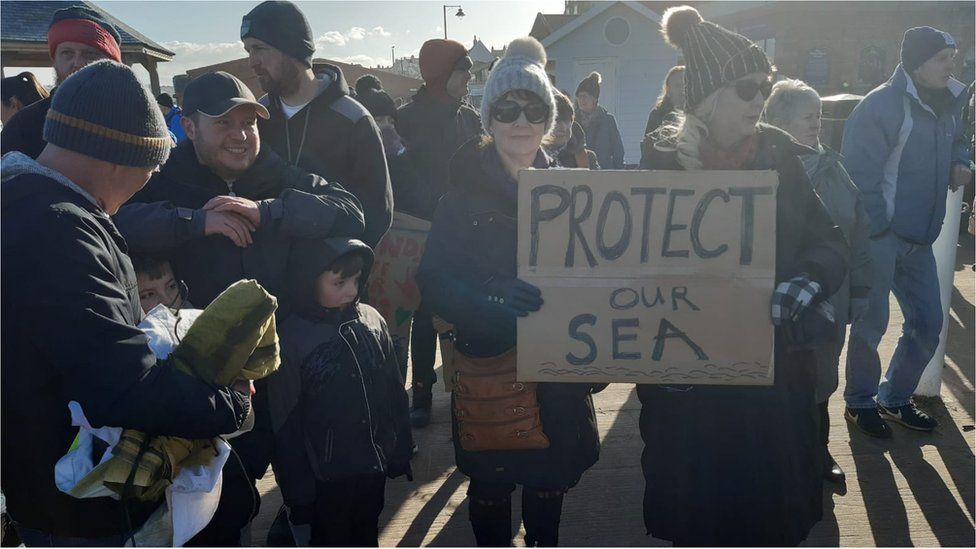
(738, 465)
(542, 436)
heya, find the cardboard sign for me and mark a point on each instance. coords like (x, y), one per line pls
(393, 289)
(648, 277)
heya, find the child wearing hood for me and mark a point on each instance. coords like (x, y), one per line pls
(343, 423)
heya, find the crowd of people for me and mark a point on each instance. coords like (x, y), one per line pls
(117, 205)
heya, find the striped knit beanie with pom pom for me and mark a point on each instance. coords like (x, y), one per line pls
(713, 55)
(522, 68)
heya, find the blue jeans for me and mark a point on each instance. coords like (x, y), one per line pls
(908, 270)
(37, 538)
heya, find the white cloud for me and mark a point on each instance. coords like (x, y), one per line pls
(331, 38)
(192, 55)
(356, 33)
(364, 60)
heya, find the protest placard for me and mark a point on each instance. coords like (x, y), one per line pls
(648, 277)
(393, 289)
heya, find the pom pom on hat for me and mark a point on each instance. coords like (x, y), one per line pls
(676, 24)
(529, 48)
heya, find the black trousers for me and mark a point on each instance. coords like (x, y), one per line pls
(824, 428)
(423, 347)
(490, 512)
(347, 511)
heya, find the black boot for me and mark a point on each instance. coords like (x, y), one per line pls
(420, 409)
(491, 521)
(540, 513)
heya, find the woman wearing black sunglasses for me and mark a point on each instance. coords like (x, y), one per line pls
(738, 465)
(506, 433)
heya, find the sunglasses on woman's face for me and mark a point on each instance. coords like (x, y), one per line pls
(747, 89)
(508, 111)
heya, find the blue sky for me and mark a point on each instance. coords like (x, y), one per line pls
(206, 32)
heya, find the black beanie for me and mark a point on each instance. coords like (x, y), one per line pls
(369, 92)
(281, 25)
(920, 44)
(590, 85)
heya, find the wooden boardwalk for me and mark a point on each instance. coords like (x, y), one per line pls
(914, 490)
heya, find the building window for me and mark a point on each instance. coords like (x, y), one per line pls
(816, 68)
(617, 31)
(871, 69)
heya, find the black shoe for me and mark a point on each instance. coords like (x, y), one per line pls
(832, 471)
(420, 410)
(909, 416)
(869, 421)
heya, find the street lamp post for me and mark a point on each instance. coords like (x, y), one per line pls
(460, 13)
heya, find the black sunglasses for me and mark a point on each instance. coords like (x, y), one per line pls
(508, 111)
(747, 89)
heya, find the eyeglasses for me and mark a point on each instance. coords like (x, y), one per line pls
(747, 89)
(508, 111)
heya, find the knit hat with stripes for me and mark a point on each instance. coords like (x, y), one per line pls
(102, 111)
(522, 68)
(713, 55)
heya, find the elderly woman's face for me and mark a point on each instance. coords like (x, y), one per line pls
(739, 106)
(518, 125)
(804, 125)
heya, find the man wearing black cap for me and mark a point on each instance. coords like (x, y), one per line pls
(77, 36)
(68, 282)
(903, 148)
(313, 122)
(223, 208)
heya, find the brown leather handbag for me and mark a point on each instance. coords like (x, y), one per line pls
(494, 411)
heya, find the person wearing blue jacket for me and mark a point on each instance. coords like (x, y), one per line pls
(172, 114)
(903, 149)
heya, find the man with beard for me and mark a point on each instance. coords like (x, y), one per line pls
(314, 123)
(223, 209)
(77, 36)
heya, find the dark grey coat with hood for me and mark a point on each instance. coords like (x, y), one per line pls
(340, 408)
(335, 137)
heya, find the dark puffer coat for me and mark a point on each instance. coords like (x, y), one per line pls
(432, 131)
(339, 396)
(473, 238)
(166, 216)
(742, 465)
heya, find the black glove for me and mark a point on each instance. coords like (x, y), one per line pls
(513, 296)
(398, 469)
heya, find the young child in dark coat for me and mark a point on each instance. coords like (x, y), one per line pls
(343, 426)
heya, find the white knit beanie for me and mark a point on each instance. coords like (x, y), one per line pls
(522, 68)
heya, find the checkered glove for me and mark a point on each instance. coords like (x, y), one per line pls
(792, 296)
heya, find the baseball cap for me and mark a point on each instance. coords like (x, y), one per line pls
(216, 93)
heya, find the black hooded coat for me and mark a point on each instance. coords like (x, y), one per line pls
(340, 409)
(742, 465)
